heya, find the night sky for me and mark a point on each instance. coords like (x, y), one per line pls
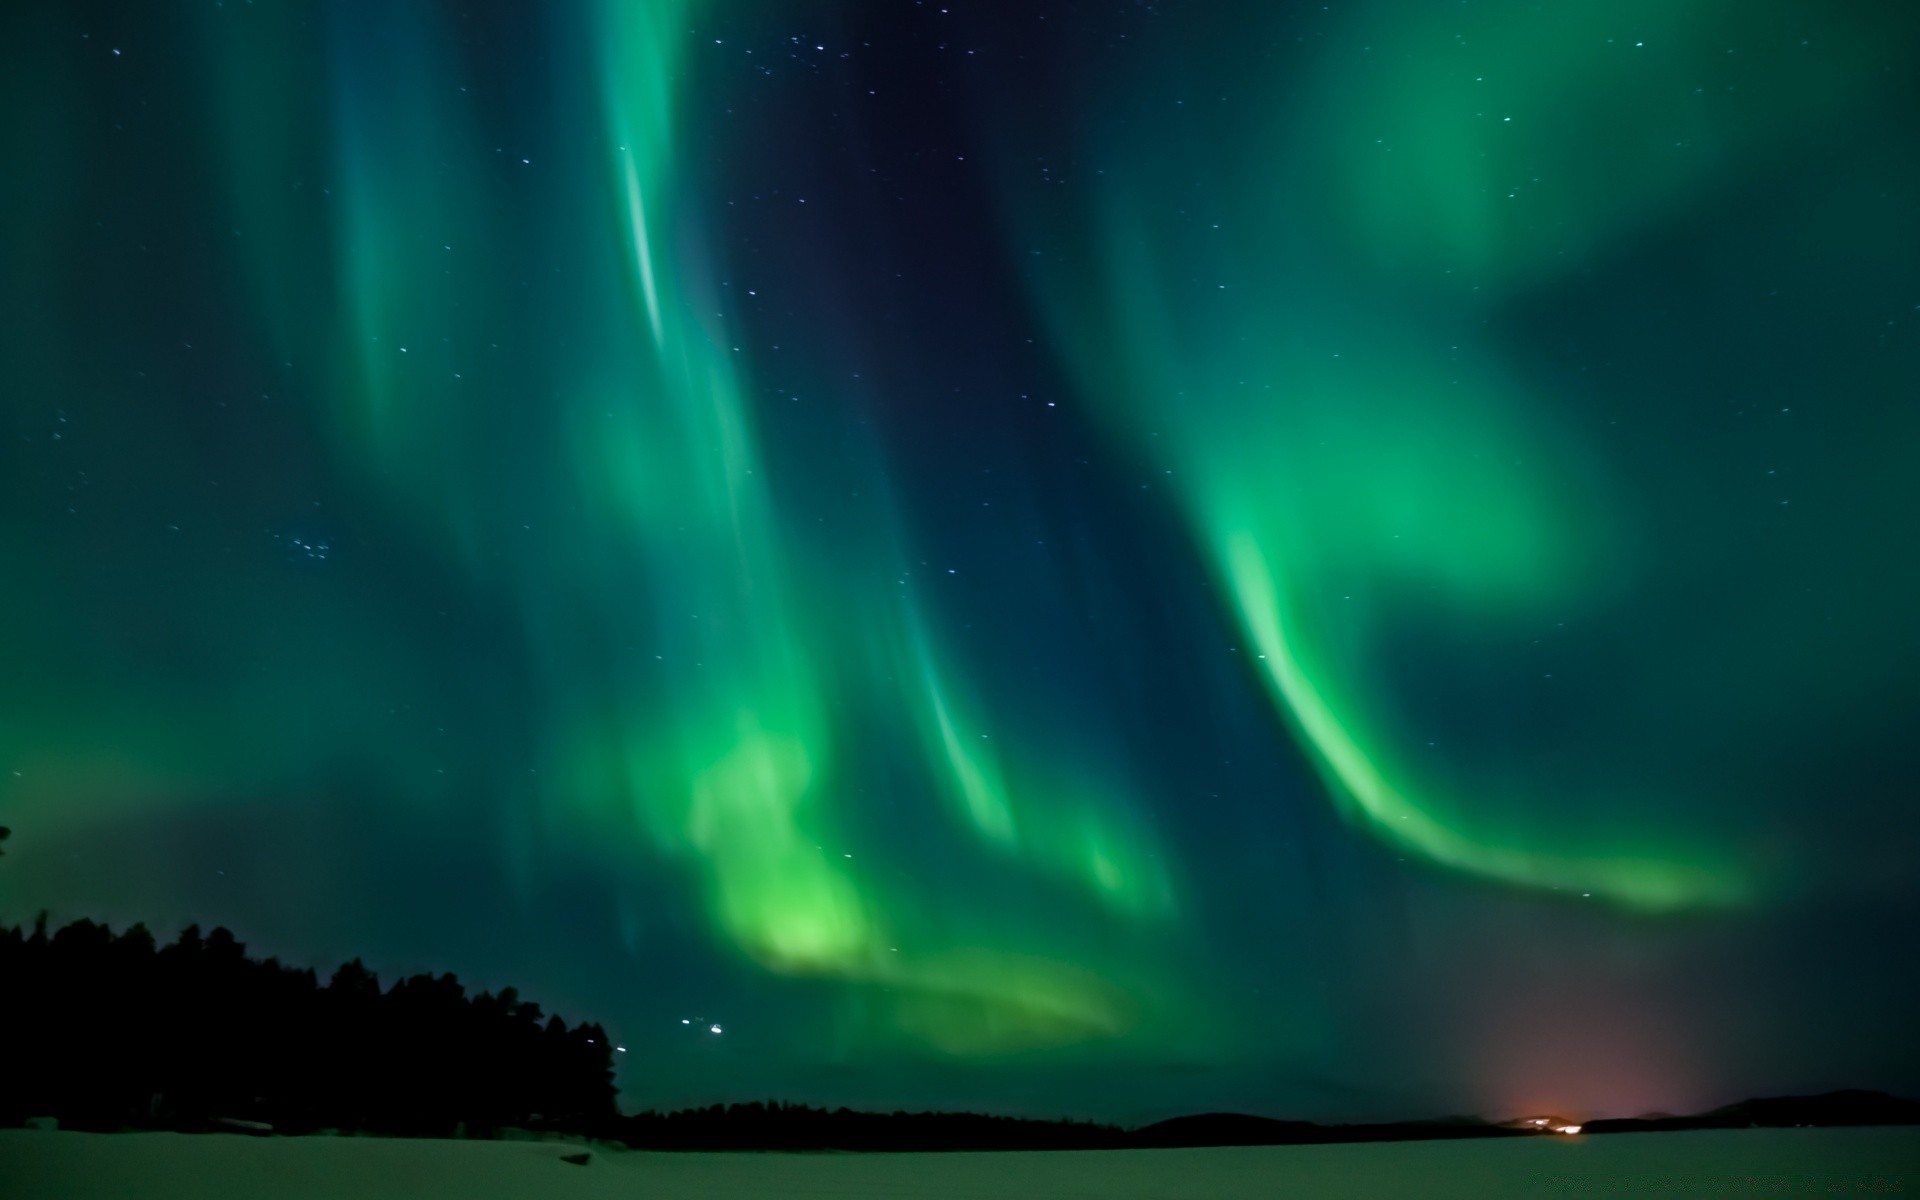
(1340, 560)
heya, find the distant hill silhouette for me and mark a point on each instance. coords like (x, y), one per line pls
(1238, 1129)
(797, 1127)
(776, 1126)
(1851, 1107)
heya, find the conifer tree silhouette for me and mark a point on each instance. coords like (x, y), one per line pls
(111, 1031)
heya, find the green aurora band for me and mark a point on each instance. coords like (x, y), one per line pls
(483, 334)
(1368, 462)
(720, 751)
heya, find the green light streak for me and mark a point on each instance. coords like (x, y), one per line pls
(1359, 779)
(738, 791)
(1065, 824)
(729, 761)
(1310, 370)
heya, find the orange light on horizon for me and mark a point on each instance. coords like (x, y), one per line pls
(1549, 1125)
(1576, 1044)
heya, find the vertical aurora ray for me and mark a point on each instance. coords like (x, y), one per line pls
(736, 783)
(732, 761)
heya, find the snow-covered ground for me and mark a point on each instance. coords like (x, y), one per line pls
(1745, 1163)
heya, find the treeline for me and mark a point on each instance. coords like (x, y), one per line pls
(107, 1031)
(777, 1126)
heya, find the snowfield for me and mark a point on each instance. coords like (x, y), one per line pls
(37, 1165)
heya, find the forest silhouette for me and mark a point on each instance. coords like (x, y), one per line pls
(110, 1031)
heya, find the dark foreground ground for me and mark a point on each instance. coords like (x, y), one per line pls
(1872, 1162)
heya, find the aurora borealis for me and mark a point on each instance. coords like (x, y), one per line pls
(1341, 560)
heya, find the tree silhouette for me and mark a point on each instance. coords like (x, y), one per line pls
(109, 1031)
